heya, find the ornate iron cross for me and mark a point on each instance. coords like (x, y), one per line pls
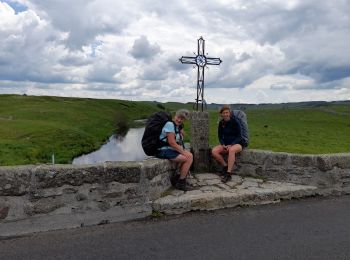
(201, 61)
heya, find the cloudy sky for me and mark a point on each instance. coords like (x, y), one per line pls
(272, 50)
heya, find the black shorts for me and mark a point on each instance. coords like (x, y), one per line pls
(167, 154)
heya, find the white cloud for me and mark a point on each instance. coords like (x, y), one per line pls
(272, 51)
(286, 82)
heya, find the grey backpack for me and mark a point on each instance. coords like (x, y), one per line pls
(242, 119)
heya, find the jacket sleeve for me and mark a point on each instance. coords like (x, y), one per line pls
(220, 133)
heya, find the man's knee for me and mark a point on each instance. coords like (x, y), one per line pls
(235, 149)
(190, 158)
(186, 159)
(215, 151)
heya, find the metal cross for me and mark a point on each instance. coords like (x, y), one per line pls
(201, 61)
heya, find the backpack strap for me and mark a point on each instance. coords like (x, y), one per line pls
(163, 140)
(181, 142)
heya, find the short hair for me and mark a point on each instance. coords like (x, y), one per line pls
(183, 113)
(224, 107)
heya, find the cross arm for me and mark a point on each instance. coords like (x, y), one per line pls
(188, 60)
(213, 61)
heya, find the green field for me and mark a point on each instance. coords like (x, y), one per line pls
(33, 128)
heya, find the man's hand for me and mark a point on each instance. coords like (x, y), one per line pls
(227, 147)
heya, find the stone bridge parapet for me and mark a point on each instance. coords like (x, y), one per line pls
(329, 172)
(45, 197)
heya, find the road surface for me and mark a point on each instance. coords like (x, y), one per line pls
(316, 228)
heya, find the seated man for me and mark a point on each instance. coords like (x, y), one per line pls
(171, 135)
(231, 142)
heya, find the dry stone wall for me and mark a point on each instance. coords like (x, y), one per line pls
(74, 194)
(330, 173)
(47, 197)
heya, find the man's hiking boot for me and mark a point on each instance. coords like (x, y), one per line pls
(226, 177)
(223, 171)
(174, 178)
(182, 184)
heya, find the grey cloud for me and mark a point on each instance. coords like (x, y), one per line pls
(243, 57)
(75, 60)
(143, 50)
(174, 63)
(85, 19)
(230, 73)
(280, 86)
(155, 73)
(324, 55)
(323, 73)
(103, 73)
(309, 39)
(101, 87)
(312, 35)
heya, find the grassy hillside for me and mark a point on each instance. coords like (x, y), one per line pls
(33, 128)
(300, 130)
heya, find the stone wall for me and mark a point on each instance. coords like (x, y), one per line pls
(46, 197)
(72, 196)
(330, 173)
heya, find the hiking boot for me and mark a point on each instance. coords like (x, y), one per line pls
(174, 178)
(182, 184)
(223, 171)
(226, 177)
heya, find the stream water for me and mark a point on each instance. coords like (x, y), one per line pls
(117, 148)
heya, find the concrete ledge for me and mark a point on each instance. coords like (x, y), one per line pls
(211, 194)
(67, 221)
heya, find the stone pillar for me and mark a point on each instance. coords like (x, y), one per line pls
(200, 141)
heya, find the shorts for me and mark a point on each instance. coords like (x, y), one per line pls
(167, 154)
(243, 144)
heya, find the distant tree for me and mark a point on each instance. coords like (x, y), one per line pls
(121, 124)
(160, 106)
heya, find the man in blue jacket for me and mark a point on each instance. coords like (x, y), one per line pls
(231, 142)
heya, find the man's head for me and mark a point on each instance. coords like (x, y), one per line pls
(181, 115)
(225, 112)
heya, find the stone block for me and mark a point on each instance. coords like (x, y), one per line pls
(252, 156)
(4, 211)
(153, 166)
(302, 160)
(15, 180)
(123, 172)
(323, 163)
(341, 161)
(43, 206)
(49, 176)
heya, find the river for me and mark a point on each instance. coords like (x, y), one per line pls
(117, 148)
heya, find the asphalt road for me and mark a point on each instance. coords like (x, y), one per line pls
(314, 228)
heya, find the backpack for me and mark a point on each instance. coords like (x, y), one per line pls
(150, 139)
(242, 120)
